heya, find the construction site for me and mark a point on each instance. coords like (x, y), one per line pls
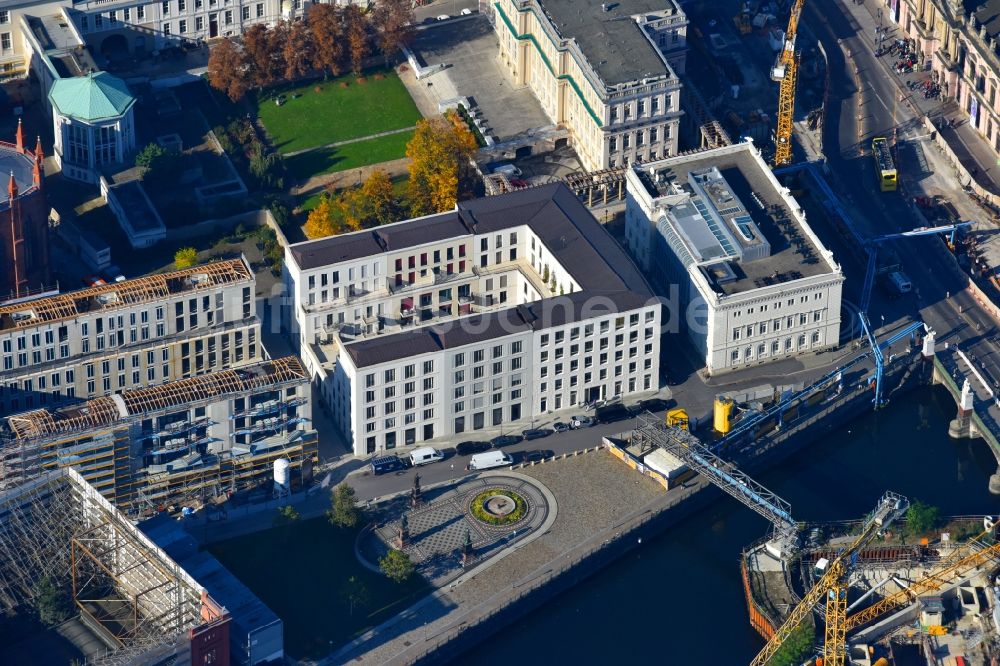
(111, 596)
(180, 444)
(754, 61)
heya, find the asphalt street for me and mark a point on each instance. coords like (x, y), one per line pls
(367, 486)
(939, 296)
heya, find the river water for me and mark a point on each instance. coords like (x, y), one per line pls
(678, 598)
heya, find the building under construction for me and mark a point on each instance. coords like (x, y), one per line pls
(115, 337)
(128, 596)
(185, 442)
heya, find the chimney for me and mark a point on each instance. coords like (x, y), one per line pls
(12, 188)
(20, 137)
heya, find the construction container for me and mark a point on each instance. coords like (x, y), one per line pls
(723, 415)
(677, 418)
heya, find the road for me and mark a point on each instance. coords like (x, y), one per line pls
(939, 296)
(441, 7)
(368, 486)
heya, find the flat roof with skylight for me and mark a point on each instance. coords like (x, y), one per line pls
(737, 227)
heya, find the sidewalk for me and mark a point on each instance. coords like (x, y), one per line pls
(969, 147)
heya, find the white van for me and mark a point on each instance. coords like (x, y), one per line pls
(490, 459)
(509, 170)
(425, 455)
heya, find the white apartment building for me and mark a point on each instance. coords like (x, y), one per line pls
(608, 71)
(102, 340)
(484, 317)
(123, 27)
(748, 280)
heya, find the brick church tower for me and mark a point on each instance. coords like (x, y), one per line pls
(24, 221)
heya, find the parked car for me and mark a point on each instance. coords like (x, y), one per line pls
(559, 426)
(505, 440)
(536, 433)
(425, 455)
(469, 448)
(537, 456)
(386, 464)
(510, 170)
(466, 12)
(490, 459)
(443, 17)
(653, 405)
(611, 413)
(581, 422)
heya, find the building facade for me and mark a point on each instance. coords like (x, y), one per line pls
(124, 27)
(958, 42)
(606, 71)
(747, 279)
(182, 442)
(485, 317)
(101, 340)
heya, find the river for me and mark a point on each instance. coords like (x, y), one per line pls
(678, 597)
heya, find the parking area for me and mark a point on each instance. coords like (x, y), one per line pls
(468, 50)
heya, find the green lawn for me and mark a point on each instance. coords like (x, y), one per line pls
(300, 572)
(350, 156)
(335, 113)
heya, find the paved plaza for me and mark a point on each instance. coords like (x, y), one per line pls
(468, 48)
(439, 524)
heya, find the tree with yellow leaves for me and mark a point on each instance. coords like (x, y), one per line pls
(440, 150)
(320, 222)
(353, 209)
(377, 191)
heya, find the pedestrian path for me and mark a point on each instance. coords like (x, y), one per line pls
(359, 139)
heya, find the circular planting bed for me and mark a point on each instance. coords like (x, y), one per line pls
(498, 506)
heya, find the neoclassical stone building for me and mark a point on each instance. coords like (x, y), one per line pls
(957, 40)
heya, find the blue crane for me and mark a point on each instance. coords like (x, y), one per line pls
(835, 208)
(871, 246)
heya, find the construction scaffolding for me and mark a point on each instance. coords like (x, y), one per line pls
(109, 410)
(106, 297)
(102, 438)
(135, 598)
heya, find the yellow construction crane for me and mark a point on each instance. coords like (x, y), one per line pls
(785, 72)
(833, 586)
(932, 581)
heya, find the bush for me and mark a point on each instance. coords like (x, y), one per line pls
(361, 80)
(52, 603)
(921, 518)
(479, 511)
(397, 566)
(186, 257)
(343, 84)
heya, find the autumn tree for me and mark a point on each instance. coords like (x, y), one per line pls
(440, 150)
(257, 44)
(328, 37)
(352, 208)
(186, 257)
(320, 222)
(377, 191)
(227, 70)
(356, 29)
(299, 50)
(393, 21)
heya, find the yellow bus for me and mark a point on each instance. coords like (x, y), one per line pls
(885, 167)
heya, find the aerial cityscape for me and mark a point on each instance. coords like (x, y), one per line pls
(477, 332)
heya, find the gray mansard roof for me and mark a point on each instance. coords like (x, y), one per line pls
(609, 281)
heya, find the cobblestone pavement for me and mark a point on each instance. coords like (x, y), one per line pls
(595, 494)
(438, 527)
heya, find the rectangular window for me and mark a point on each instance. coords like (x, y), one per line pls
(182, 28)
